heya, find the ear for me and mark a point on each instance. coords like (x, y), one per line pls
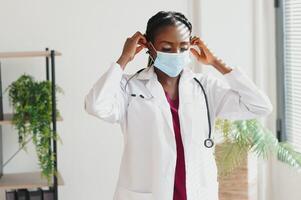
(147, 42)
(190, 38)
(151, 50)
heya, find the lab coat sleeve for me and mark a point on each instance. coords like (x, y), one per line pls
(107, 99)
(241, 99)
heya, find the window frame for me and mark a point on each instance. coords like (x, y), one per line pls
(280, 123)
(282, 135)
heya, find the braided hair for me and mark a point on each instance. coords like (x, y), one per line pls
(161, 19)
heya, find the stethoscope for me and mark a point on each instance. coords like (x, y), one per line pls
(207, 142)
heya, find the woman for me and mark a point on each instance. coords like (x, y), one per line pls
(162, 112)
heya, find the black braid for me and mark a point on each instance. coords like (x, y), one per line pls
(161, 19)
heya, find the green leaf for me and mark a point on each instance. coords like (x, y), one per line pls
(243, 136)
(32, 117)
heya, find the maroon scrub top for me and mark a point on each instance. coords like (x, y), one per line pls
(180, 176)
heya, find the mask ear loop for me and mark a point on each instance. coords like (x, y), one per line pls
(148, 52)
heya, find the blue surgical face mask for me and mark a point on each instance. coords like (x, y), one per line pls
(172, 63)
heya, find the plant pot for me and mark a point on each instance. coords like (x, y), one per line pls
(235, 185)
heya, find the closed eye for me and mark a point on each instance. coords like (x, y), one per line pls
(166, 49)
(184, 49)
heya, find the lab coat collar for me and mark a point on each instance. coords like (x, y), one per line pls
(185, 84)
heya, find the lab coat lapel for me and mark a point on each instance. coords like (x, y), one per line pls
(186, 109)
(185, 101)
(157, 91)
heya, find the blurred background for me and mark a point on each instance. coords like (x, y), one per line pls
(262, 37)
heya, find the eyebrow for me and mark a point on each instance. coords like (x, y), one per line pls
(173, 42)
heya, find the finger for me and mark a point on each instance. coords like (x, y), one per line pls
(202, 43)
(202, 48)
(193, 40)
(135, 34)
(197, 41)
(139, 37)
(203, 54)
(195, 53)
(138, 49)
(141, 42)
(198, 44)
(193, 37)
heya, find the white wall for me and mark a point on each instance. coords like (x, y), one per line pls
(90, 35)
(286, 182)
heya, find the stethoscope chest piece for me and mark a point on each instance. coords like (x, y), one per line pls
(208, 143)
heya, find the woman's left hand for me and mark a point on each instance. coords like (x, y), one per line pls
(205, 56)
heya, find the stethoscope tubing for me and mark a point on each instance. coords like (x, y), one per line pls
(207, 142)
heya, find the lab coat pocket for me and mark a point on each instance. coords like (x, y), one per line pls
(127, 194)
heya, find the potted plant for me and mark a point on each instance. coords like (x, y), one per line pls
(32, 117)
(239, 138)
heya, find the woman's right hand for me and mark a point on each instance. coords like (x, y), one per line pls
(132, 46)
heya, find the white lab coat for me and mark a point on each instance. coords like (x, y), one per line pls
(149, 157)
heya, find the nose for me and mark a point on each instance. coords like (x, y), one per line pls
(176, 50)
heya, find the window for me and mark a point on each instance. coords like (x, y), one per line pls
(288, 29)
